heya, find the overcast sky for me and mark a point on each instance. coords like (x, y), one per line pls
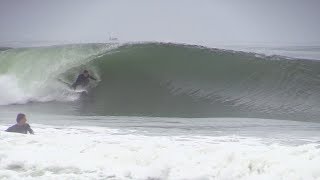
(188, 21)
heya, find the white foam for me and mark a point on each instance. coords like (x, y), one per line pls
(10, 91)
(103, 153)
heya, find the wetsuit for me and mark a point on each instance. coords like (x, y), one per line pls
(23, 129)
(82, 80)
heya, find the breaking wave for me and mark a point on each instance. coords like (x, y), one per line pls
(157, 79)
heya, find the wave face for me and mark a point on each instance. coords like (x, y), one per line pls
(155, 79)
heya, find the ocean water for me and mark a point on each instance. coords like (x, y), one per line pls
(161, 111)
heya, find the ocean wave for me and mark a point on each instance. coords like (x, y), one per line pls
(159, 79)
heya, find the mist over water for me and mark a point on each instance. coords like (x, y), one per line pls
(209, 22)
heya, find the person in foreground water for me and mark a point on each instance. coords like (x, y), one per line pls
(21, 126)
(83, 79)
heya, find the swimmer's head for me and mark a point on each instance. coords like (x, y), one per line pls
(21, 118)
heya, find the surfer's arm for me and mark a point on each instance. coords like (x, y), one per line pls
(29, 129)
(10, 129)
(92, 78)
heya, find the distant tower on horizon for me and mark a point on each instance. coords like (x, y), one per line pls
(112, 37)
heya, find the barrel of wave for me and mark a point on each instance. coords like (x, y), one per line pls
(30, 74)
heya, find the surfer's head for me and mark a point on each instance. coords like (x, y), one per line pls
(21, 118)
(86, 73)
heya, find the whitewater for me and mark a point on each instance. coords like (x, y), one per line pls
(161, 111)
(163, 148)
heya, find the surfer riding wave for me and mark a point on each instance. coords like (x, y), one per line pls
(83, 79)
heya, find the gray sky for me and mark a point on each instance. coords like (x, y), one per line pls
(189, 21)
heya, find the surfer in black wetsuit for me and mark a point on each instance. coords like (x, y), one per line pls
(21, 126)
(83, 79)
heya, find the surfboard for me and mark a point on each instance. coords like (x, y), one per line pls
(80, 90)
